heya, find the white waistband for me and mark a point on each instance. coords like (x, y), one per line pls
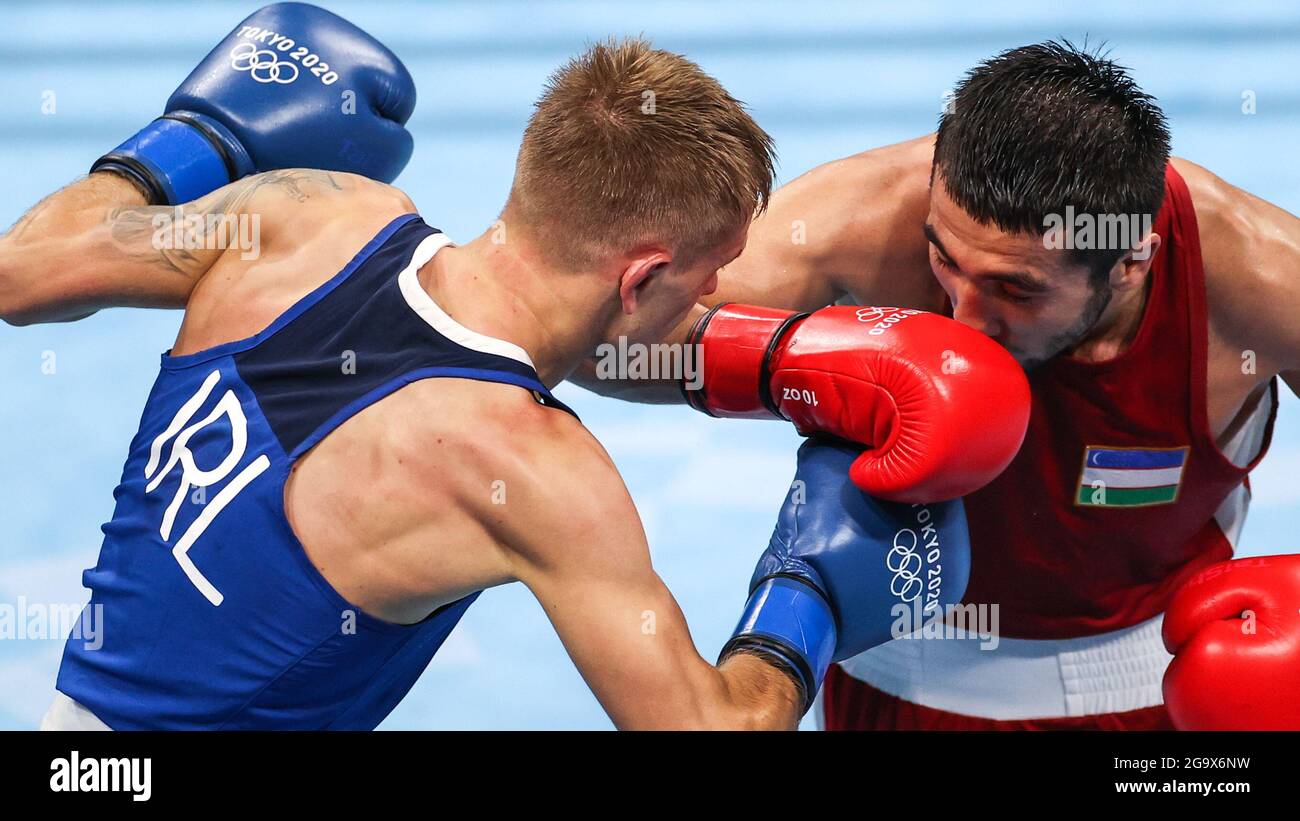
(1021, 678)
(66, 714)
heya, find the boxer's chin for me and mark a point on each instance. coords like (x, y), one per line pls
(1026, 358)
(1064, 343)
(1030, 363)
(1060, 345)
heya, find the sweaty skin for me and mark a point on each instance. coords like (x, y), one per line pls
(400, 508)
(853, 230)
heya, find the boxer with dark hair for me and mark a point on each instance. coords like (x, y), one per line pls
(1152, 304)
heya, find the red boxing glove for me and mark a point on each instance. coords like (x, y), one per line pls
(941, 407)
(1234, 630)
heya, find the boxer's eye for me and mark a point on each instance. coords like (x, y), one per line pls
(1013, 294)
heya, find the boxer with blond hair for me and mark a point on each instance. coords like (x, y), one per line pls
(353, 434)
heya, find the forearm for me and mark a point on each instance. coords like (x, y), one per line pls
(74, 207)
(95, 245)
(583, 554)
(744, 692)
(759, 695)
(42, 246)
(634, 650)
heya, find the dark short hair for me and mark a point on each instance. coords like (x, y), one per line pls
(1045, 126)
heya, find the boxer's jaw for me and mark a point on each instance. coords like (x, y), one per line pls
(666, 299)
(1071, 338)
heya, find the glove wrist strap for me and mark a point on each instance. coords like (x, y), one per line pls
(178, 158)
(790, 619)
(737, 342)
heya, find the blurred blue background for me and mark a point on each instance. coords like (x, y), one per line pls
(826, 79)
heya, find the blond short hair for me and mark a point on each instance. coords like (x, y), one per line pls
(631, 144)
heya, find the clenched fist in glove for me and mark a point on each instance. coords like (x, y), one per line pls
(1234, 630)
(839, 566)
(293, 86)
(941, 408)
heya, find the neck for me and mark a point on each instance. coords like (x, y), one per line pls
(505, 291)
(1117, 327)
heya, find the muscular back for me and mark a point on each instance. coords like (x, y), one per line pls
(436, 489)
(388, 505)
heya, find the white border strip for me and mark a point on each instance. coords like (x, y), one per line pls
(437, 318)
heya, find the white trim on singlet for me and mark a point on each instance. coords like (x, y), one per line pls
(438, 319)
(1241, 450)
(1021, 678)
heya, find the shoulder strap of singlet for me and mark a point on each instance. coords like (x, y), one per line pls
(375, 312)
(455, 351)
(438, 319)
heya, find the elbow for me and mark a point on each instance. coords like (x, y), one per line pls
(17, 319)
(16, 304)
(12, 309)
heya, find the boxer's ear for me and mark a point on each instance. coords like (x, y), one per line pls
(1131, 270)
(640, 272)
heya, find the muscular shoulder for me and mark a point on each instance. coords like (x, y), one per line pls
(300, 197)
(857, 205)
(1251, 252)
(294, 228)
(847, 226)
(537, 479)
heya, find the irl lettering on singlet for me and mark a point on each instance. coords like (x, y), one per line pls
(174, 440)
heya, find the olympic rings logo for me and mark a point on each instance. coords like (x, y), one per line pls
(262, 64)
(870, 314)
(905, 563)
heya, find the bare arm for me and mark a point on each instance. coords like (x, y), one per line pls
(576, 541)
(1251, 252)
(95, 244)
(849, 228)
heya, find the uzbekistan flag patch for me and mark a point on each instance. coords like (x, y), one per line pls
(1130, 477)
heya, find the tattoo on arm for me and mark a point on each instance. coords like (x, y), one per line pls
(148, 233)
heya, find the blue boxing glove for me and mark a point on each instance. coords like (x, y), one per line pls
(293, 86)
(842, 568)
